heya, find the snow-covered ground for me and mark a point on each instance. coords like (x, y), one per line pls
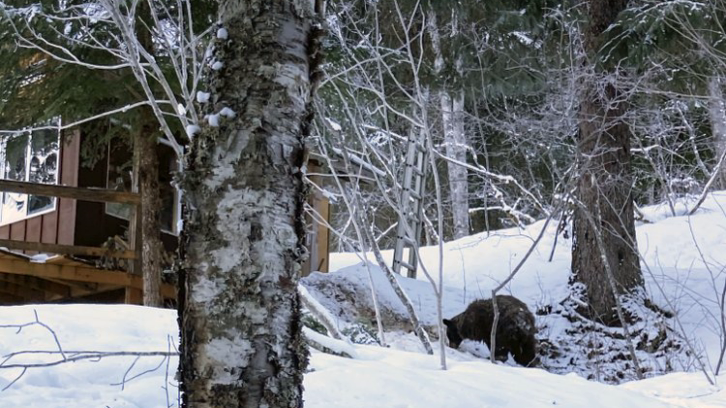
(685, 261)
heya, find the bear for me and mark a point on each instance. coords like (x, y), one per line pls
(515, 330)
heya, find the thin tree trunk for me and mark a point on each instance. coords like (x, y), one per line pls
(604, 186)
(455, 141)
(717, 116)
(148, 179)
(146, 158)
(452, 117)
(239, 311)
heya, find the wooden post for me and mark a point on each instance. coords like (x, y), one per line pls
(133, 296)
(135, 239)
(318, 236)
(322, 234)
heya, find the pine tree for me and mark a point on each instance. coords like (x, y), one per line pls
(37, 87)
(604, 251)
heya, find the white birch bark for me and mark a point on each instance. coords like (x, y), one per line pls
(242, 343)
(452, 110)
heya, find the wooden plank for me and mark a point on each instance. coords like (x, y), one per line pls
(69, 272)
(70, 157)
(49, 232)
(133, 296)
(17, 231)
(75, 273)
(32, 232)
(322, 237)
(66, 249)
(135, 240)
(5, 231)
(7, 299)
(168, 291)
(37, 283)
(101, 195)
(317, 237)
(66, 221)
(28, 294)
(69, 169)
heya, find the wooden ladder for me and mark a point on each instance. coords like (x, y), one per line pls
(410, 220)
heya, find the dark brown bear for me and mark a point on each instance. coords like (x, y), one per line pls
(515, 329)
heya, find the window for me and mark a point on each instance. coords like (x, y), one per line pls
(31, 157)
(120, 175)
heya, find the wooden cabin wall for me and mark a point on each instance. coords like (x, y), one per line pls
(57, 226)
(94, 226)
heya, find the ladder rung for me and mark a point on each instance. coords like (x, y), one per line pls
(415, 194)
(418, 171)
(420, 148)
(407, 265)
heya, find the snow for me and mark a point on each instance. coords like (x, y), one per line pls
(227, 113)
(203, 97)
(217, 65)
(222, 33)
(40, 258)
(334, 125)
(379, 377)
(683, 253)
(193, 130)
(213, 120)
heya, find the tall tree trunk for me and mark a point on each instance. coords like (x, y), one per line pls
(455, 141)
(147, 166)
(717, 116)
(605, 185)
(145, 157)
(239, 310)
(452, 117)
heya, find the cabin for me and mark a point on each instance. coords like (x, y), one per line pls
(67, 231)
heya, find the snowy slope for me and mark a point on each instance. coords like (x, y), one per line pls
(379, 377)
(399, 376)
(684, 262)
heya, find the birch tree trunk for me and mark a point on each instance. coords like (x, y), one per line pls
(242, 343)
(452, 117)
(455, 141)
(604, 186)
(717, 116)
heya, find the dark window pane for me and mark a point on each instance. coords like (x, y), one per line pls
(14, 205)
(43, 167)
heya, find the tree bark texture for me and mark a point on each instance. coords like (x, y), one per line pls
(145, 140)
(146, 179)
(455, 139)
(605, 184)
(239, 309)
(717, 115)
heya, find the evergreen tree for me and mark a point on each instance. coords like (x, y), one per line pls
(604, 251)
(37, 87)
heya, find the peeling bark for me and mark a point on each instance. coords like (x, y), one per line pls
(242, 343)
(604, 187)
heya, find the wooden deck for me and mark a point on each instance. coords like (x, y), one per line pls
(37, 279)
